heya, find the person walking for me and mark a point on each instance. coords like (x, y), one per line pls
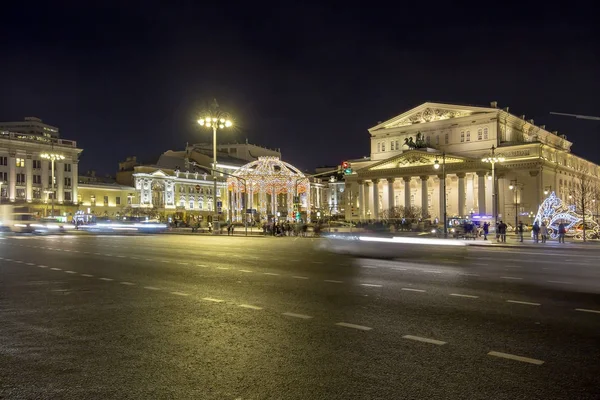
(544, 232)
(486, 230)
(502, 231)
(561, 233)
(520, 231)
(536, 232)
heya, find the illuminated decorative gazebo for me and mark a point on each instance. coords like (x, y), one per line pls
(269, 183)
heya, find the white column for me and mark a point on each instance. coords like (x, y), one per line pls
(74, 180)
(461, 194)
(12, 176)
(424, 197)
(390, 193)
(481, 193)
(470, 193)
(59, 173)
(375, 198)
(366, 192)
(361, 199)
(28, 178)
(406, 191)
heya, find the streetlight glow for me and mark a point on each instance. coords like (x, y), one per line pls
(437, 164)
(53, 157)
(493, 159)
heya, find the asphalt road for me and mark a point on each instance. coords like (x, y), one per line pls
(199, 317)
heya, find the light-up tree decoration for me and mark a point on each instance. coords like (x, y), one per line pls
(269, 176)
(553, 211)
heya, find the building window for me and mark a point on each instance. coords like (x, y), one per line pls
(378, 147)
(93, 199)
(20, 193)
(3, 160)
(437, 140)
(412, 199)
(446, 138)
(468, 136)
(485, 133)
(37, 179)
(462, 137)
(397, 147)
(37, 193)
(3, 176)
(382, 146)
(4, 191)
(392, 145)
(428, 140)
(479, 134)
(37, 164)
(118, 200)
(20, 179)
(68, 182)
(67, 196)
(129, 199)
(20, 162)
(200, 203)
(182, 202)
(191, 204)
(105, 200)
(67, 167)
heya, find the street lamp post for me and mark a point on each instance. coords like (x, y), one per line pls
(53, 157)
(214, 120)
(436, 165)
(493, 159)
(515, 185)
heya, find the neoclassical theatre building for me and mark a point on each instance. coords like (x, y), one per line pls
(401, 168)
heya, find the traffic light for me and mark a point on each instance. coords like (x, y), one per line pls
(346, 168)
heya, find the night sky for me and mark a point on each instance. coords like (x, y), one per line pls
(310, 79)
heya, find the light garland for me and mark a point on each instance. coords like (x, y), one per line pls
(553, 211)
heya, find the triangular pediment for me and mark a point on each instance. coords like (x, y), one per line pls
(414, 158)
(430, 112)
(158, 172)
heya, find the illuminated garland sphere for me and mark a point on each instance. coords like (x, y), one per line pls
(269, 174)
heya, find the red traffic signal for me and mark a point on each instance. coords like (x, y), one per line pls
(345, 165)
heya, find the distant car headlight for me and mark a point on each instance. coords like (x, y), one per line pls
(433, 231)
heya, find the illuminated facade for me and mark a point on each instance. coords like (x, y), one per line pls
(400, 170)
(25, 176)
(106, 199)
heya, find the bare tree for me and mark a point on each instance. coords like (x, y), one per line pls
(585, 192)
(410, 213)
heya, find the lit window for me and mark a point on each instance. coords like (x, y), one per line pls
(479, 134)
(462, 137)
(382, 146)
(191, 204)
(468, 136)
(397, 147)
(485, 133)
(20, 162)
(118, 200)
(392, 145)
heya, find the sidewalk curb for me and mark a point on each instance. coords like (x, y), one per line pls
(566, 246)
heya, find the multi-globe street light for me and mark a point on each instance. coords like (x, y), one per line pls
(436, 166)
(53, 157)
(493, 159)
(515, 185)
(215, 119)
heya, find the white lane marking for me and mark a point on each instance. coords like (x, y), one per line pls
(180, 294)
(121, 256)
(359, 327)
(301, 316)
(516, 358)
(127, 283)
(55, 269)
(400, 269)
(165, 261)
(332, 281)
(19, 261)
(464, 295)
(202, 265)
(70, 272)
(527, 303)
(8, 259)
(300, 277)
(222, 267)
(87, 275)
(562, 282)
(370, 285)
(270, 273)
(106, 279)
(108, 255)
(295, 260)
(134, 258)
(423, 339)
(42, 266)
(183, 263)
(98, 254)
(151, 288)
(588, 310)
(483, 264)
(433, 271)
(468, 274)
(149, 259)
(250, 306)
(317, 262)
(368, 266)
(412, 290)
(213, 300)
(30, 263)
(245, 270)
(511, 277)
